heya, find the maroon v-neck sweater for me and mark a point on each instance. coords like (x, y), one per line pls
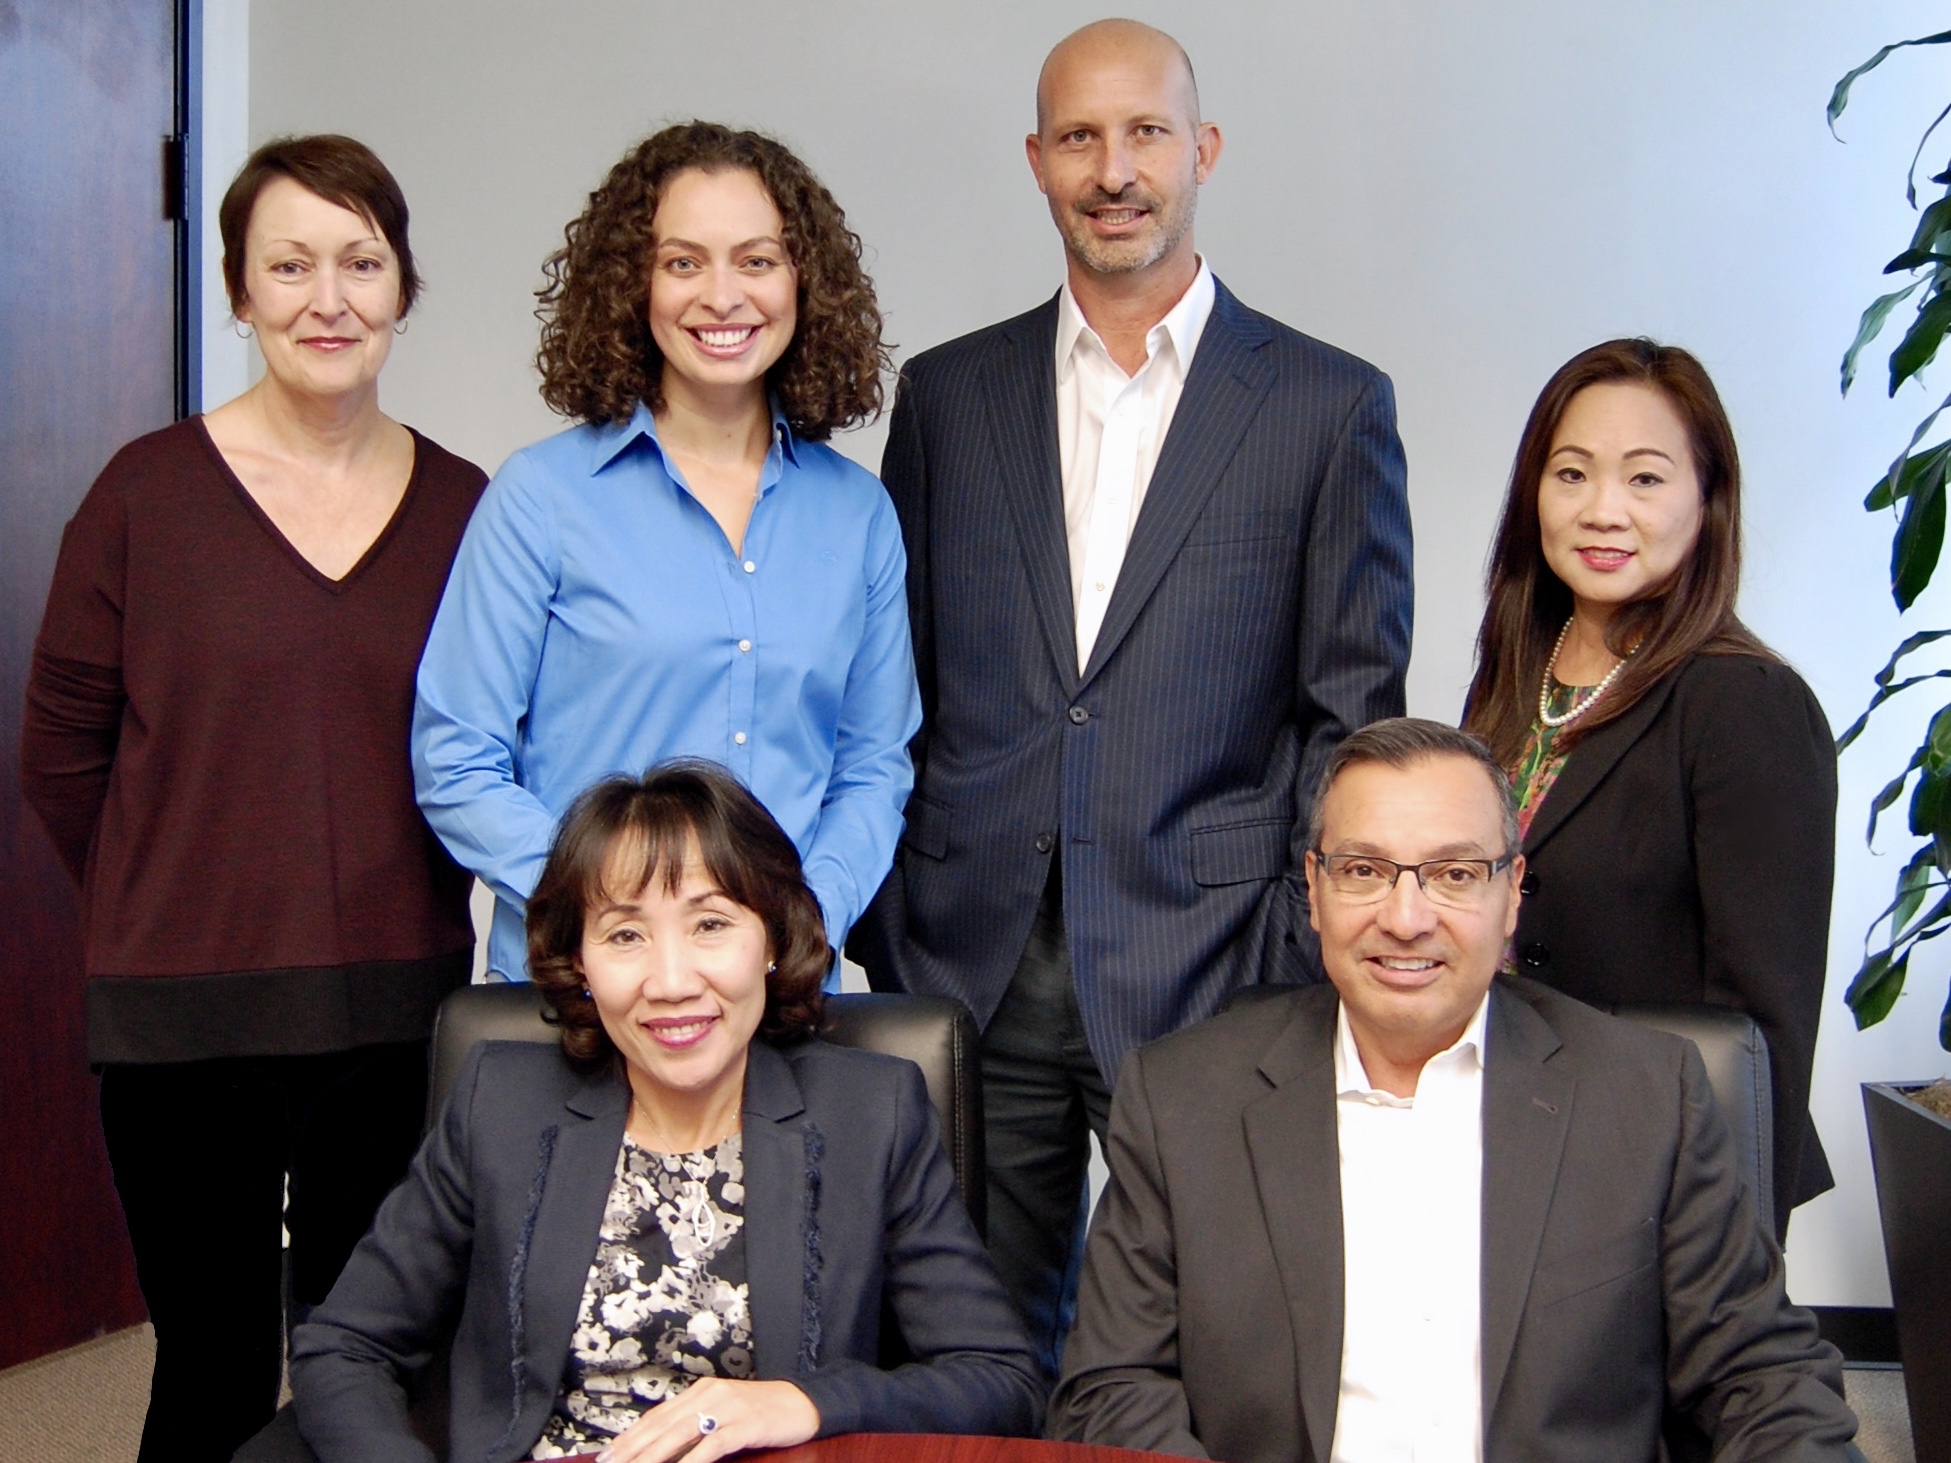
(216, 738)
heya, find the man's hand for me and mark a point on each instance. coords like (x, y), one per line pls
(741, 1415)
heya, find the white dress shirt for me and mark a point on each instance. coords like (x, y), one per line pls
(1110, 428)
(1411, 1216)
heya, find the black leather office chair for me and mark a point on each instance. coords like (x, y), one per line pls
(935, 1033)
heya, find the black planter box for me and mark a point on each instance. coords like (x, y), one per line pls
(1910, 1148)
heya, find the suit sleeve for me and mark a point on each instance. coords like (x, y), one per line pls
(1762, 776)
(1749, 1367)
(1352, 651)
(1120, 1385)
(396, 1297)
(974, 1372)
(75, 688)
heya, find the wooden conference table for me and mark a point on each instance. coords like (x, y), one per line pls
(929, 1448)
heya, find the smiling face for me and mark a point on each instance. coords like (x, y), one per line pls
(723, 292)
(321, 292)
(1412, 972)
(1619, 506)
(678, 978)
(1119, 149)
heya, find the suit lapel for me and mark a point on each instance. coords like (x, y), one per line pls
(1527, 1107)
(775, 1235)
(1295, 1152)
(568, 1218)
(1228, 381)
(1591, 760)
(1021, 392)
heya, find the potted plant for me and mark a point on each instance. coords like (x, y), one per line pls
(1910, 1124)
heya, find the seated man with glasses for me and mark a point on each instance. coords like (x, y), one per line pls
(1427, 1211)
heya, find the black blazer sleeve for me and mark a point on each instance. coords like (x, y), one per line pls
(973, 1371)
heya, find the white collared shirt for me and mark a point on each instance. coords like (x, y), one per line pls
(1411, 1221)
(1110, 428)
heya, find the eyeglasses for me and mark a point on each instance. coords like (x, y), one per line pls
(1363, 878)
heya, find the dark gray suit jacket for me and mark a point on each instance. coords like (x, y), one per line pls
(849, 1199)
(1261, 614)
(1623, 1270)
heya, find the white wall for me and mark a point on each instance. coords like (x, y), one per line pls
(1466, 195)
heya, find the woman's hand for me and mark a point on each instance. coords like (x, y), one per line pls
(741, 1415)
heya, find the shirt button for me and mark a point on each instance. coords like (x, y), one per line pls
(1044, 843)
(750, 567)
(1078, 716)
(739, 737)
(745, 645)
(1098, 587)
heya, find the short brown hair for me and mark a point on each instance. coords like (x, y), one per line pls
(597, 357)
(1398, 742)
(338, 169)
(1691, 613)
(747, 855)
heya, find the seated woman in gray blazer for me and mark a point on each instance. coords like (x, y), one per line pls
(676, 1234)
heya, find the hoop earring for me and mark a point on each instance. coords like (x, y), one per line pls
(400, 328)
(239, 329)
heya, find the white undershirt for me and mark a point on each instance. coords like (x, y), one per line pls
(1110, 428)
(1411, 1216)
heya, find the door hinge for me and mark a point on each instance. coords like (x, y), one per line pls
(176, 175)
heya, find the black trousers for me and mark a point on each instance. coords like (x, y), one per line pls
(201, 1152)
(1042, 1098)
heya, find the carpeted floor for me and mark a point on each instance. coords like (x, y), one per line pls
(85, 1405)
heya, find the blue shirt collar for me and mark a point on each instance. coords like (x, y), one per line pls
(613, 438)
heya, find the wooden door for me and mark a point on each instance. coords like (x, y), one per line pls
(87, 361)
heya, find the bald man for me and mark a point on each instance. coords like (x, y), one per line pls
(1158, 566)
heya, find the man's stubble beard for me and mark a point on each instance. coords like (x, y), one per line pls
(1126, 256)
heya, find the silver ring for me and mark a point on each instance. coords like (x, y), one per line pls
(707, 1423)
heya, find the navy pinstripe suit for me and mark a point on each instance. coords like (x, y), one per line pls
(1262, 612)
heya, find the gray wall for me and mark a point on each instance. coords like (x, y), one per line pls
(1463, 194)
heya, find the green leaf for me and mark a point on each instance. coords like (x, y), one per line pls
(1839, 98)
(1912, 885)
(1932, 225)
(1876, 987)
(1919, 538)
(1920, 342)
(1927, 799)
(1944, 1026)
(1856, 726)
(1892, 790)
(1910, 470)
(1910, 174)
(1869, 327)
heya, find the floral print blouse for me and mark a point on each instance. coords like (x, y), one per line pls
(665, 1301)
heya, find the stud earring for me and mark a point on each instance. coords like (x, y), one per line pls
(586, 995)
(772, 967)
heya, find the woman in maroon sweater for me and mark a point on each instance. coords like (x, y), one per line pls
(216, 738)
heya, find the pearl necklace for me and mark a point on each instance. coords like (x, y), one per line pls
(1579, 708)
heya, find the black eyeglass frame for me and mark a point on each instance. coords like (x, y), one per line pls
(1491, 867)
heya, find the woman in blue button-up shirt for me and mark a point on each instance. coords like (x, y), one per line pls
(690, 572)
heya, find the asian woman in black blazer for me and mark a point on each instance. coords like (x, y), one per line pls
(677, 1233)
(1676, 780)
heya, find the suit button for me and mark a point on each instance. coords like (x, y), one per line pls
(1536, 953)
(1078, 716)
(1530, 884)
(1044, 843)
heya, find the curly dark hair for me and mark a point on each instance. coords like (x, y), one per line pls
(597, 357)
(657, 817)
